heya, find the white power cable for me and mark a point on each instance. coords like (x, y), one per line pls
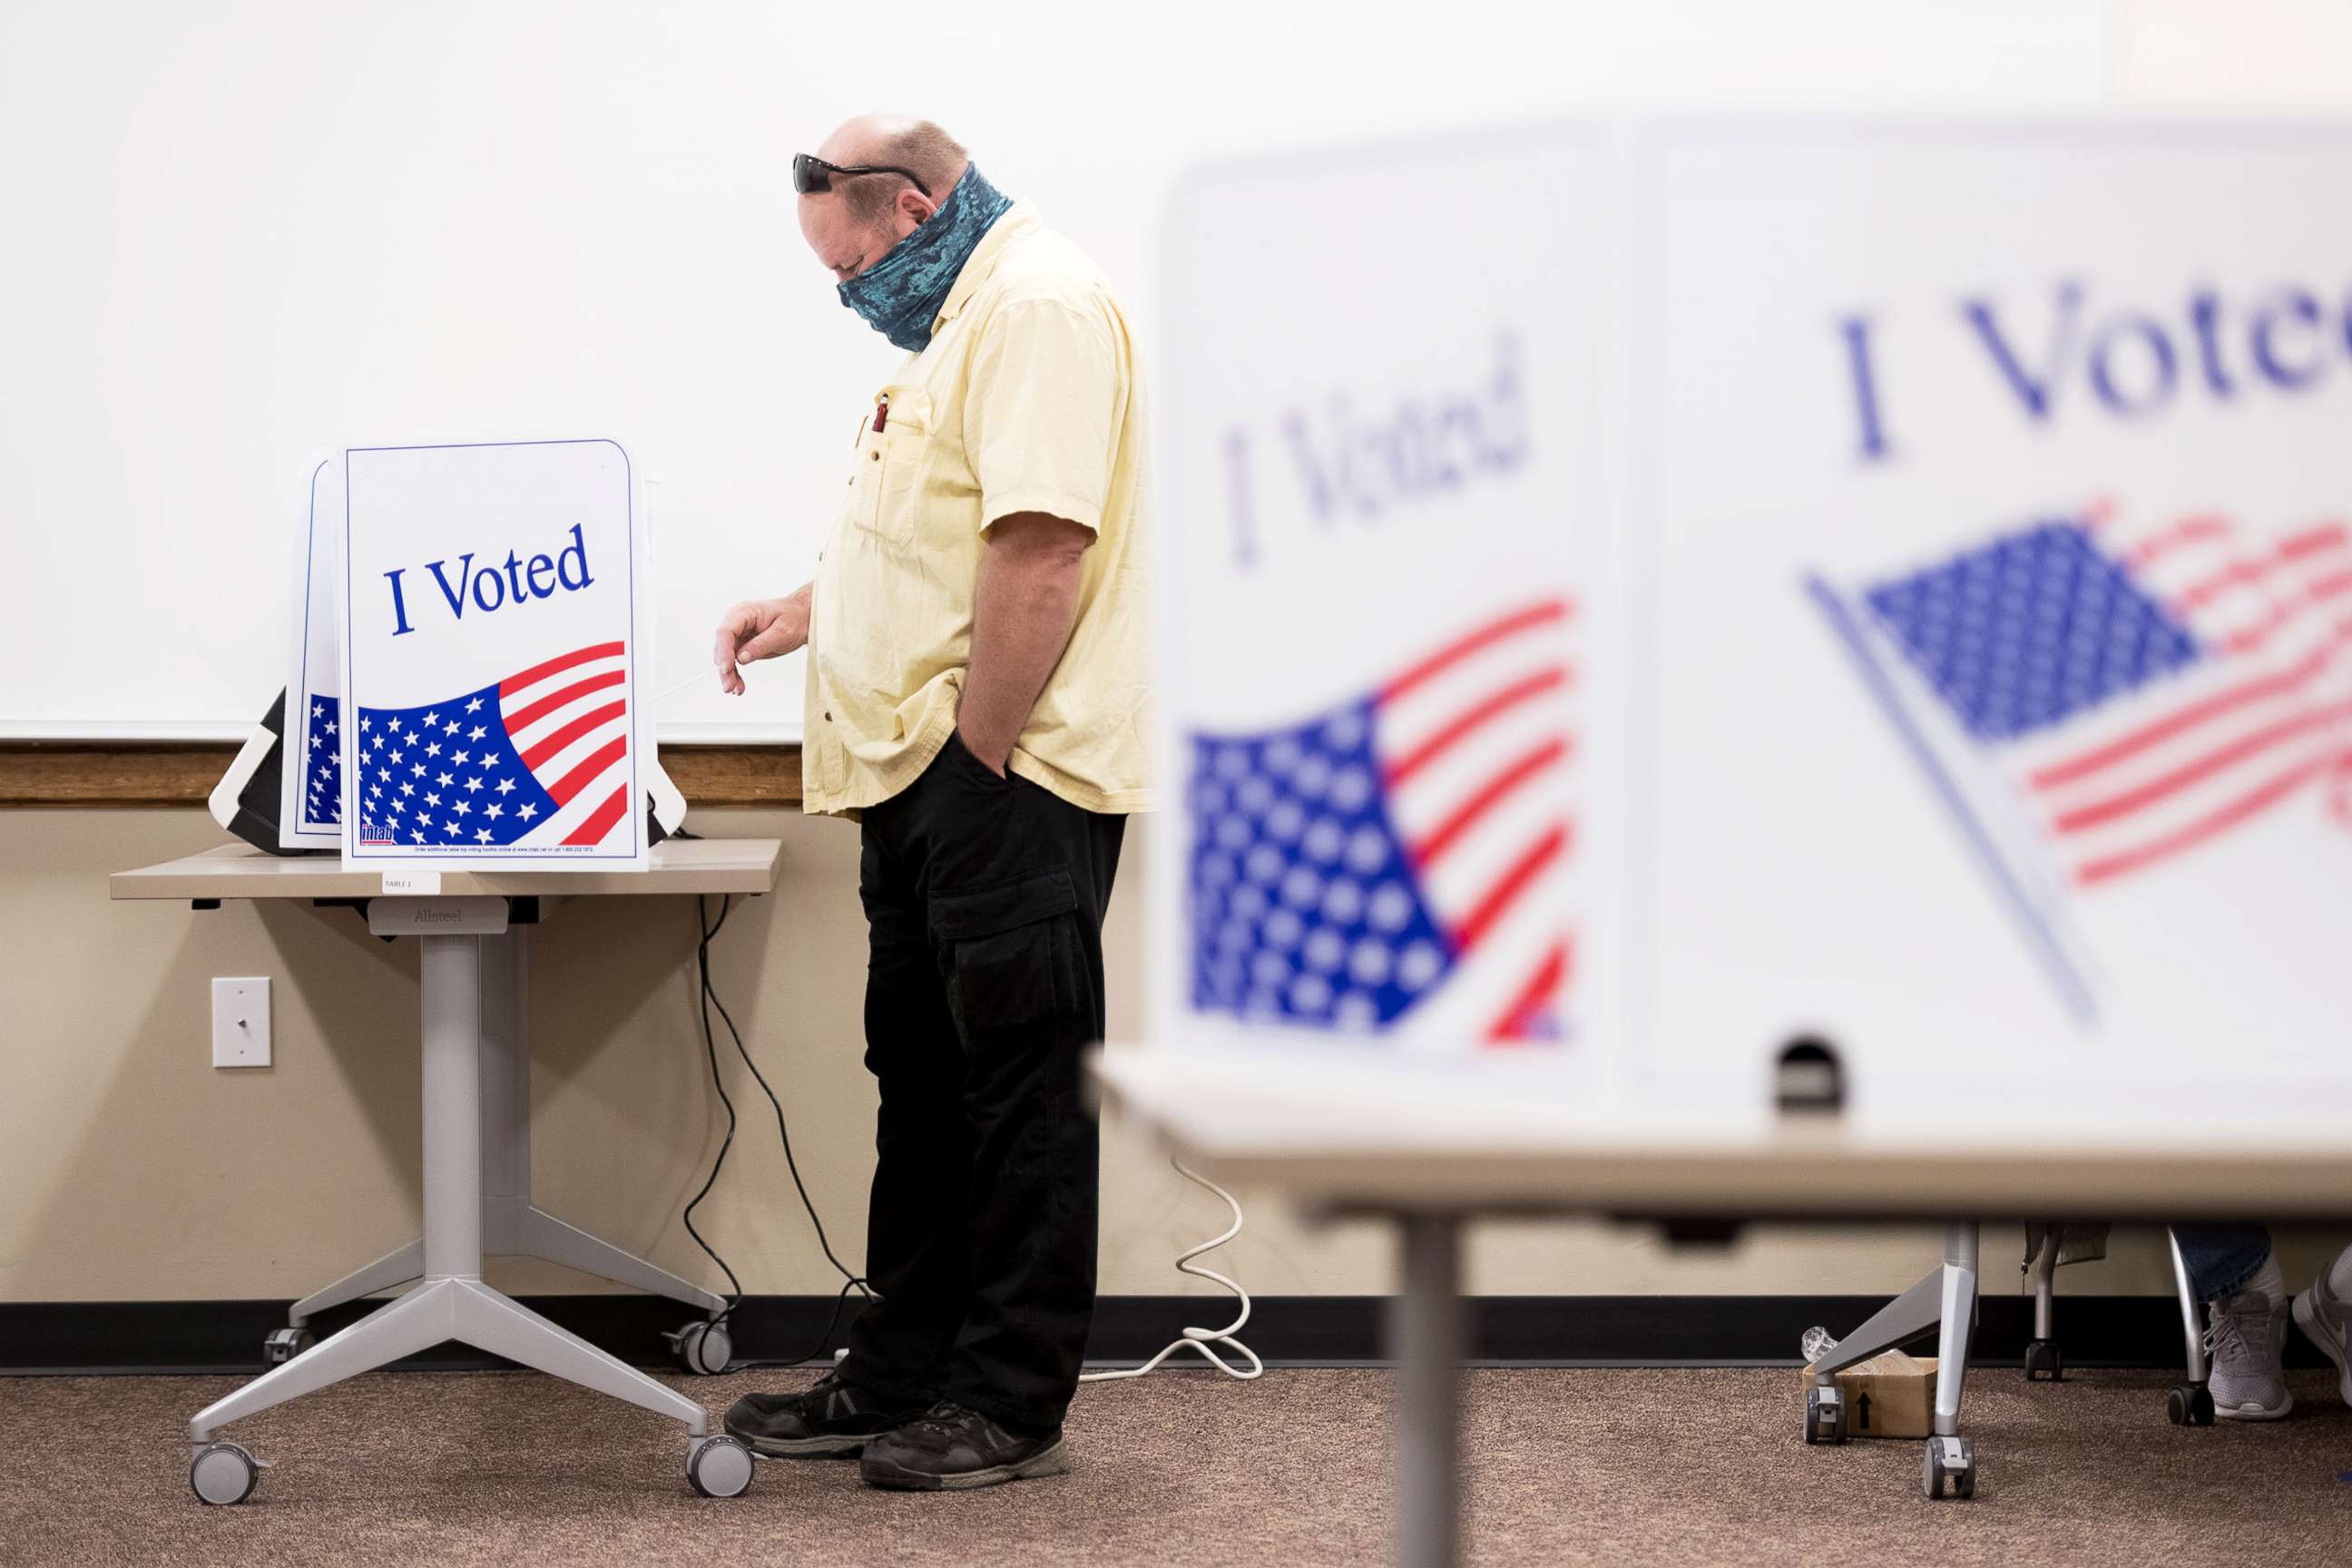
(1201, 1340)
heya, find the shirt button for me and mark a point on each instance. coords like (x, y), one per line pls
(828, 718)
(876, 455)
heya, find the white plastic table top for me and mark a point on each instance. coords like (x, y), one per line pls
(1345, 1142)
(241, 871)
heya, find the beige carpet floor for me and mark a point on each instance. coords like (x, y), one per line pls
(1600, 1467)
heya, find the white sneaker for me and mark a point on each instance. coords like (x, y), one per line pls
(2326, 1319)
(2242, 1347)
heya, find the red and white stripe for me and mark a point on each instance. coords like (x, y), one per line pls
(2264, 716)
(568, 719)
(1474, 742)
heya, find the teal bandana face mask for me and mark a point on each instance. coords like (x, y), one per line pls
(900, 295)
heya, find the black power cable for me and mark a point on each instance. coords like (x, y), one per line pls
(707, 930)
(719, 1086)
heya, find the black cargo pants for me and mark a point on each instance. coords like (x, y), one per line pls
(984, 900)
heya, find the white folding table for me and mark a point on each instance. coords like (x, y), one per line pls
(1349, 1144)
(471, 977)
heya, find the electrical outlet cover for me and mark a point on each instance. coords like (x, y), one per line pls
(241, 1022)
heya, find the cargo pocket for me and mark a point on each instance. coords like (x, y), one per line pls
(1009, 952)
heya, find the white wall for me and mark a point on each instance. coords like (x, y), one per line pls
(243, 231)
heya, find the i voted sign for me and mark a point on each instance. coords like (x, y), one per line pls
(490, 663)
(1885, 584)
(1995, 500)
(1374, 620)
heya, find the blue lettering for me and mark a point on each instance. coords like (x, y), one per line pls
(576, 550)
(1462, 416)
(1322, 484)
(1856, 330)
(503, 585)
(2035, 394)
(1425, 446)
(2135, 361)
(1384, 451)
(1510, 407)
(1408, 452)
(457, 597)
(1238, 495)
(2303, 310)
(2103, 379)
(399, 607)
(2205, 316)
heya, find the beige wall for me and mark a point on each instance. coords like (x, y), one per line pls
(131, 1168)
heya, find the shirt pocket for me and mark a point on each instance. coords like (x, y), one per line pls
(893, 464)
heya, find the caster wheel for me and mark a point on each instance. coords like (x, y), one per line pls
(1824, 1414)
(285, 1344)
(2189, 1405)
(719, 1467)
(703, 1349)
(1949, 1460)
(222, 1474)
(2042, 1361)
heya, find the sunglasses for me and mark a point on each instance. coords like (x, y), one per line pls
(811, 174)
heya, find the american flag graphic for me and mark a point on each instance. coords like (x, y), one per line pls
(538, 759)
(2146, 688)
(1400, 855)
(322, 791)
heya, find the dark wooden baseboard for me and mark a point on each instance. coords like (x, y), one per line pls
(2142, 1331)
(172, 772)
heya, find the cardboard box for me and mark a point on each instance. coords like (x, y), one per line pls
(1889, 1395)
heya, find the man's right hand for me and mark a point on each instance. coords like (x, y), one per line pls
(756, 629)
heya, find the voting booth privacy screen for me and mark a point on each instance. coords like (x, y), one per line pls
(1669, 590)
(466, 658)
(311, 770)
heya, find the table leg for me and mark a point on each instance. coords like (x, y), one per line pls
(449, 987)
(398, 1266)
(2192, 1329)
(531, 1232)
(452, 1303)
(1426, 1343)
(1956, 1325)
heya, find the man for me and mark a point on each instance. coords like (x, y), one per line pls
(2232, 1270)
(978, 687)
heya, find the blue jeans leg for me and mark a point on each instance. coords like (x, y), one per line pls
(2221, 1257)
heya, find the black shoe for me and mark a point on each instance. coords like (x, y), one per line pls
(949, 1449)
(827, 1417)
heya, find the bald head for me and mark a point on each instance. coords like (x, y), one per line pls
(854, 224)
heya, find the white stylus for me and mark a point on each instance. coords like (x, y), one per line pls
(689, 680)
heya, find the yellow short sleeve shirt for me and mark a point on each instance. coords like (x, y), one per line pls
(1027, 398)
